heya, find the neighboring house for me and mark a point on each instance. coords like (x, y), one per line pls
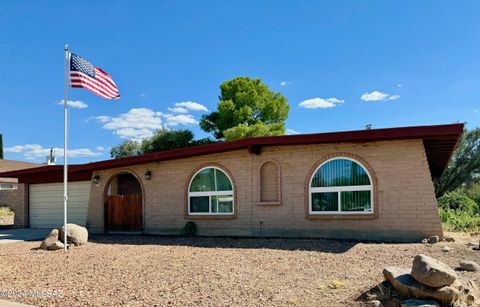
(370, 184)
(9, 192)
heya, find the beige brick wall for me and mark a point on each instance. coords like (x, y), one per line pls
(18, 201)
(405, 205)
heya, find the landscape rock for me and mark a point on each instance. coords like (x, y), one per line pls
(77, 235)
(419, 303)
(50, 239)
(56, 246)
(432, 272)
(433, 239)
(403, 282)
(445, 249)
(449, 238)
(470, 266)
(425, 241)
(374, 303)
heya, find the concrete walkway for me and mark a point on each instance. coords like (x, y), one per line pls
(22, 234)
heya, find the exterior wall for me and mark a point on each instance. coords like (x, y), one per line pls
(404, 201)
(18, 201)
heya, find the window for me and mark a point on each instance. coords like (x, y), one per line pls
(210, 193)
(341, 185)
(269, 183)
(8, 186)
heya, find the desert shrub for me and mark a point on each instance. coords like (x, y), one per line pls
(6, 211)
(459, 220)
(458, 201)
(473, 192)
(190, 229)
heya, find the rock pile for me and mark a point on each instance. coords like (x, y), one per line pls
(432, 280)
(76, 235)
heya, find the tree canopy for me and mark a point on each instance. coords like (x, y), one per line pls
(246, 108)
(161, 140)
(464, 167)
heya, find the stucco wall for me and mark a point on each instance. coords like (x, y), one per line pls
(18, 201)
(405, 205)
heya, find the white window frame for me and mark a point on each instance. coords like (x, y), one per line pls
(340, 189)
(210, 194)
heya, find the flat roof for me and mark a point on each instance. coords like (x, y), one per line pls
(439, 141)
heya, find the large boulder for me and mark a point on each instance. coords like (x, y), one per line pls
(77, 235)
(50, 239)
(403, 282)
(432, 272)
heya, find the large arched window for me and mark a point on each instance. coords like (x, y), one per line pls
(210, 192)
(341, 186)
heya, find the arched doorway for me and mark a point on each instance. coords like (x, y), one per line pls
(123, 203)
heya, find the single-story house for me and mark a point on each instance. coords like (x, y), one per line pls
(373, 184)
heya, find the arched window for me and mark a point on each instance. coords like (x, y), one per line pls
(341, 186)
(210, 192)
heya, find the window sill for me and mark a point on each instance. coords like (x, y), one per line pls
(269, 203)
(351, 216)
(210, 217)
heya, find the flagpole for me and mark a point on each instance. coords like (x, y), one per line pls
(65, 145)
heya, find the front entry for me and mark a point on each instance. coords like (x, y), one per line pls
(123, 204)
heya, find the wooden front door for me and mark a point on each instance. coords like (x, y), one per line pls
(124, 212)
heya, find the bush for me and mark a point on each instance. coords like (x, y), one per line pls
(473, 192)
(459, 220)
(190, 229)
(458, 201)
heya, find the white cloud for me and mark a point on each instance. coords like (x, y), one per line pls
(179, 119)
(323, 103)
(291, 132)
(74, 104)
(35, 151)
(178, 110)
(378, 96)
(285, 83)
(399, 85)
(191, 105)
(137, 123)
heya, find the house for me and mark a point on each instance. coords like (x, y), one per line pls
(370, 184)
(8, 186)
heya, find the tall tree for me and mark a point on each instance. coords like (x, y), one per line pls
(247, 108)
(464, 167)
(1, 146)
(126, 149)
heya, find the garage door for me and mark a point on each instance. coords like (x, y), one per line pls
(46, 204)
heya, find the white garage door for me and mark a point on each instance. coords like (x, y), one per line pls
(46, 204)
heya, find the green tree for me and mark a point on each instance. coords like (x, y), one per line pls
(1, 146)
(464, 167)
(126, 149)
(247, 108)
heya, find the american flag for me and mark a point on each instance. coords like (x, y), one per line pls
(93, 79)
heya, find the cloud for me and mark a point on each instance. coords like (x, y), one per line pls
(285, 83)
(399, 85)
(193, 106)
(137, 123)
(323, 103)
(35, 151)
(74, 104)
(179, 119)
(378, 96)
(178, 110)
(291, 132)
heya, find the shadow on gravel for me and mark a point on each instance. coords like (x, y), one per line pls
(384, 293)
(317, 245)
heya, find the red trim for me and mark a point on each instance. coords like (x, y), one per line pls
(440, 142)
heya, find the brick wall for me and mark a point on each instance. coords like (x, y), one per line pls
(405, 205)
(18, 201)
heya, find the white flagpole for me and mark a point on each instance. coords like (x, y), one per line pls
(65, 149)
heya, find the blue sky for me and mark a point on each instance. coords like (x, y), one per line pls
(341, 65)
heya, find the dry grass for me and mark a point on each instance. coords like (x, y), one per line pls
(210, 271)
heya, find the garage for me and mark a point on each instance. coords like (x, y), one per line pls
(46, 204)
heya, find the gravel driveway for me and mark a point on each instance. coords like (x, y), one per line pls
(116, 270)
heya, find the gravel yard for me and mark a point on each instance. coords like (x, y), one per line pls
(122, 270)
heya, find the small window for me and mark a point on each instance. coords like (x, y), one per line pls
(8, 186)
(269, 183)
(342, 186)
(210, 193)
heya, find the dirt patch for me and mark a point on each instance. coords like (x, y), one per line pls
(210, 271)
